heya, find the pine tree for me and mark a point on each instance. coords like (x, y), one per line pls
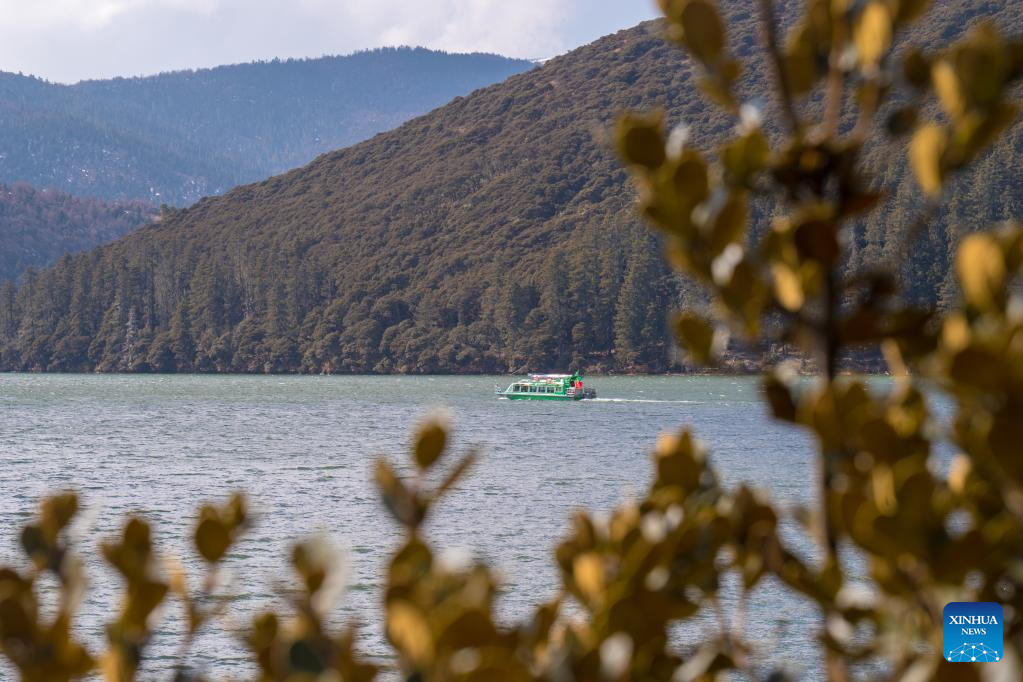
(130, 353)
(8, 313)
(638, 322)
(181, 343)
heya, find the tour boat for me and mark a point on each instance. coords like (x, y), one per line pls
(549, 387)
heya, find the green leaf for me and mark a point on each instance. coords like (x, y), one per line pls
(58, 511)
(689, 179)
(457, 473)
(703, 31)
(916, 69)
(801, 71)
(698, 337)
(212, 539)
(745, 155)
(779, 397)
(902, 120)
(730, 223)
(817, 240)
(431, 440)
(399, 500)
(909, 10)
(641, 140)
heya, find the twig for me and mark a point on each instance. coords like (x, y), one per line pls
(784, 88)
(835, 92)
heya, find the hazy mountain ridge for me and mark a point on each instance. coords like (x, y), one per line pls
(176, 137)
(39, 226)
(495, 233)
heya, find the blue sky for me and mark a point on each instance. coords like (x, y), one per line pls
(69, 40)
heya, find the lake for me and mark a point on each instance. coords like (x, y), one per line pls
(303, 449)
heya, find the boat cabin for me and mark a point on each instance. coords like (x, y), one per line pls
(549, 387)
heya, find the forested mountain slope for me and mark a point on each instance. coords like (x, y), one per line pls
(37, 227)
(495, 233)
(177, 137)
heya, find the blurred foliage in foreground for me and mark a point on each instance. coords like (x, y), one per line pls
(657, 563)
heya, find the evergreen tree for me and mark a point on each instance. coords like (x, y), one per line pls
(182, 345)
(639, 315)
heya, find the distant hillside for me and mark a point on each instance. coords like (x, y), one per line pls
(496, 233)
(177, 137)
(38, 227)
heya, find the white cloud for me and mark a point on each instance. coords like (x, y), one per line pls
(67, 40)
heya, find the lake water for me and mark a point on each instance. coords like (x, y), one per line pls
(303, 449)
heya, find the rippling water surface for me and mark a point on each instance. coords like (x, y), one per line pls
(303, 448)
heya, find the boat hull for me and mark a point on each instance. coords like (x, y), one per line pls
(527, 396)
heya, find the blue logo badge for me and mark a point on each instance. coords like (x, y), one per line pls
(972, 631)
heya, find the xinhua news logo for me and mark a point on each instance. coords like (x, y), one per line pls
(973, 632)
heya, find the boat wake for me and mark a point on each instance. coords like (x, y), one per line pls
(641, 400)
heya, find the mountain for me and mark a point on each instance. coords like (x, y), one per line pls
(177, 137)
(496, 233)
(37, 227)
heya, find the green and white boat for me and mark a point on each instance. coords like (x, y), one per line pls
(549, 387)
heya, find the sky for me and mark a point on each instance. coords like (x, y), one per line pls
(71, 40)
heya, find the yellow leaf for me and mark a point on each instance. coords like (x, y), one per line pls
(981, 266)
(588, 571)
(410, 632)
(884, 490)
(112, 666)
(958, 473)
(955, 333)
(787, 287)
(949, 89)
(925, 154)
(873, 33)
